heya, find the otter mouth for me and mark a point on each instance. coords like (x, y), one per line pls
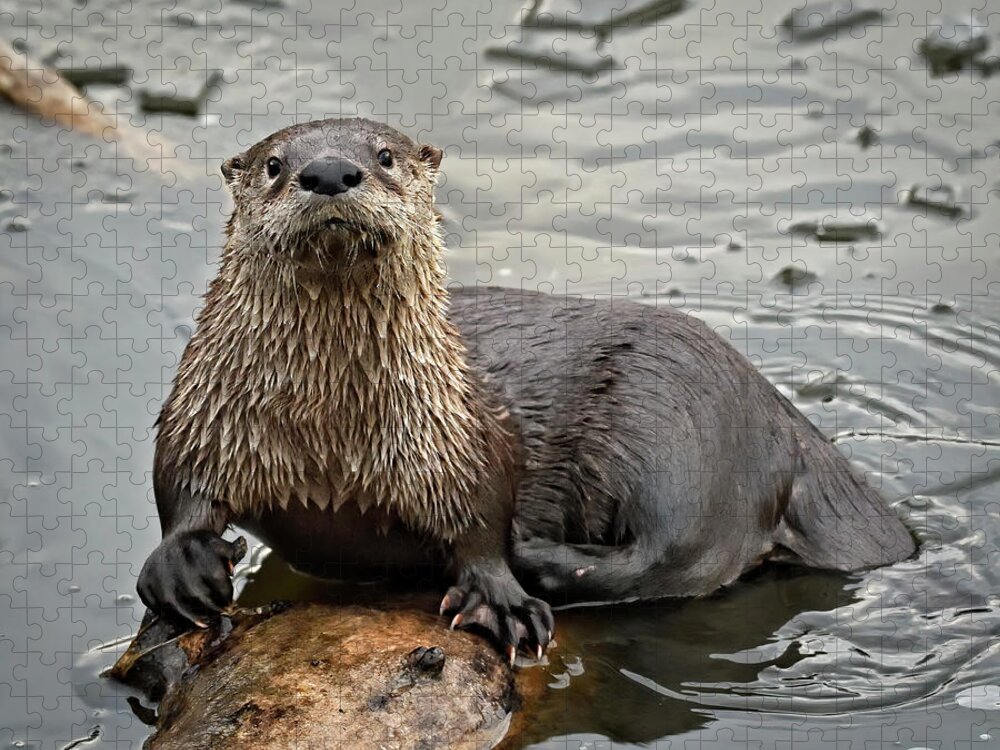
(336, 222)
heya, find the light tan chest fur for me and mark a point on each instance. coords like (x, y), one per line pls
(309, 394)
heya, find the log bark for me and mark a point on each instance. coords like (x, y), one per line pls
(316, 675)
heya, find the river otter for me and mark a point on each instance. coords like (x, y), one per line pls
(336, 400)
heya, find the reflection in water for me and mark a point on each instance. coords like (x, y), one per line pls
(640, 666)
(817, 184)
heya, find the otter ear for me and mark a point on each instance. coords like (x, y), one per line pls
(431, 157)
(233, 168)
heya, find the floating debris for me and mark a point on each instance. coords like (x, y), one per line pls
(263, 4)
(537, 51)
(95, 734)
(118, 197)
(934, 200)
(866, 137)
(112, 75)
(182, 18)
(795, 276)
(840, 230)
(182, 92)
(820, 387)
(597, 17)
(825, 20)
(953, 45)
(40, 89)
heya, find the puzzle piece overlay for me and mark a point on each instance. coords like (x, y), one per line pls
(817, 182)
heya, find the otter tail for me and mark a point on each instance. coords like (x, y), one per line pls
(834, 519)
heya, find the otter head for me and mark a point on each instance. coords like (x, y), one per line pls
(333, 189)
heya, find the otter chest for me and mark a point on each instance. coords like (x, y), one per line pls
(326, 410)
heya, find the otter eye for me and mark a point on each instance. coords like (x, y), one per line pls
(385, 158)
(273, 167)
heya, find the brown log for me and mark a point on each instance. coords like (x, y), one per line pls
(41, 90)
(317, 675)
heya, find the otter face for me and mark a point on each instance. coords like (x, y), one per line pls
(333, 185)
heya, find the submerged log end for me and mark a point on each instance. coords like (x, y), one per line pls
(322, 676)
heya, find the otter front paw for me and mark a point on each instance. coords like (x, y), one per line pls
(190, 574)
(488, 597)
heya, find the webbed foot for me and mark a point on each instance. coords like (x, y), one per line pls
(190, 574)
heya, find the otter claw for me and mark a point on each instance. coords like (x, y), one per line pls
(493, 602)
(189, 575)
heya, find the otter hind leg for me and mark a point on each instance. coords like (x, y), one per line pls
(578, 573)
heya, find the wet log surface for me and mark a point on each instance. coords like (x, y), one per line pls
(318, 675)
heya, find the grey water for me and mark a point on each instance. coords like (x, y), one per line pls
(821, 186)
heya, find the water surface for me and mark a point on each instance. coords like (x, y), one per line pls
(824, 195)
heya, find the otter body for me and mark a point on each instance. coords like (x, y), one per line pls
(336, 400)
(658, 461)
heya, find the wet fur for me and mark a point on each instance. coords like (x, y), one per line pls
(658, 461)
(328, 394)
(325, 400)
(335, 394)
(322, 374)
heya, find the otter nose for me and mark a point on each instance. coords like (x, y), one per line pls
(330, 176)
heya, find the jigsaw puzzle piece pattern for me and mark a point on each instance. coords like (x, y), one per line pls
(816, 184)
